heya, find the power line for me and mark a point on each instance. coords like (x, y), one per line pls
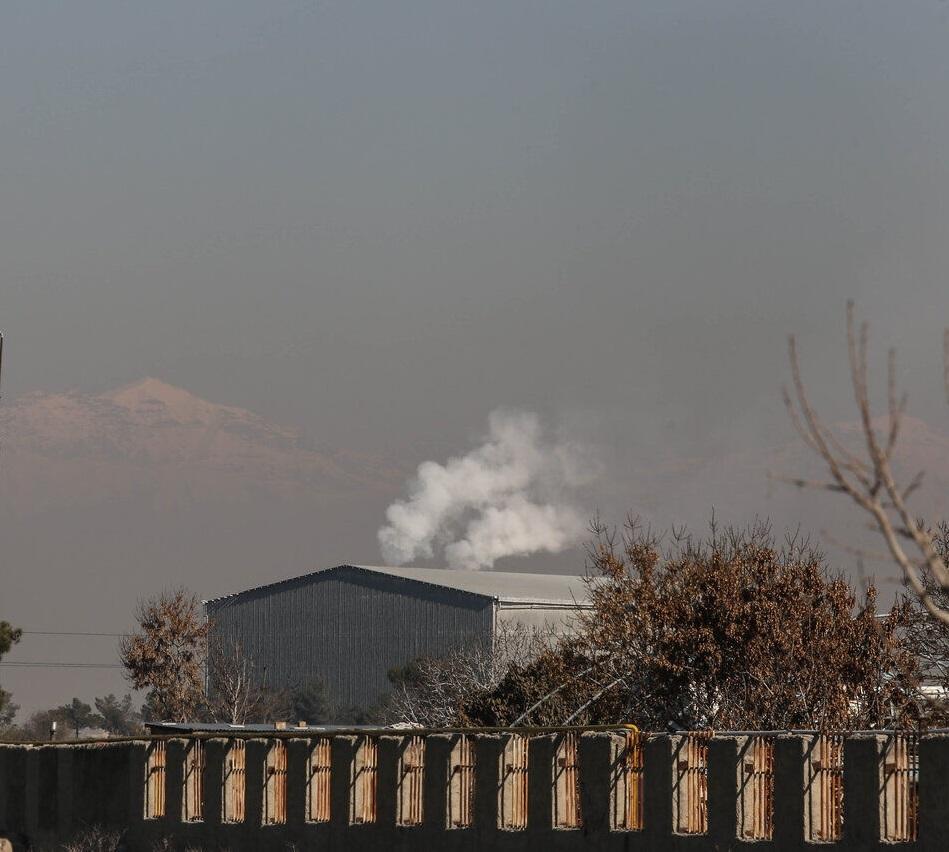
(48, 664)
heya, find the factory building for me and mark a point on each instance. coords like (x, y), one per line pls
(350, 625)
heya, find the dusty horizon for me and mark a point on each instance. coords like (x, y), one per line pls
(341, 236)
(103, 491)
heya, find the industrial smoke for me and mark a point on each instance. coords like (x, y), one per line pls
(507, 497)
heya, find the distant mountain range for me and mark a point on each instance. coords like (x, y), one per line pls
(150, 456)
(158, 457)
(72, 446)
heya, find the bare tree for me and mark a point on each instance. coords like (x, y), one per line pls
(733, 631)
(236, 692)
(431, 692)
(866, 476)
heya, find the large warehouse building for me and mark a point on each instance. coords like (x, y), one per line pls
(351, 624)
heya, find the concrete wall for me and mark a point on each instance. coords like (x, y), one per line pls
(47, 792)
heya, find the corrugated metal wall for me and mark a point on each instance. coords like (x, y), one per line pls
(348, 627)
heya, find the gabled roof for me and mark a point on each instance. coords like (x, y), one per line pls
(508, 588)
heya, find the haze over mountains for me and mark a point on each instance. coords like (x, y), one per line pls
(155, 459)
(118, 495)
(151, 435)
(121, 494)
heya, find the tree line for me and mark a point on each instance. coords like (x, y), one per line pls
(734, 630)
(171, 657)
(112, 715)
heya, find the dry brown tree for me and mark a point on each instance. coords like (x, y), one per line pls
(866, 476)
(166, 655)
(728, 632)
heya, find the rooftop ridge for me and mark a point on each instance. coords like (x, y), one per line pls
(441, 578)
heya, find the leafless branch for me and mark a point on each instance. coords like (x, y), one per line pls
(870, 481)
(435, 689)
(236, 690)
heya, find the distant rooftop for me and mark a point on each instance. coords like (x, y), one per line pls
(160, 728)
(506, 587)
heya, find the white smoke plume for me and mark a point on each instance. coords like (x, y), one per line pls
(505, 498)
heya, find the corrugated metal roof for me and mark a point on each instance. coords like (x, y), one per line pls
(506, 587)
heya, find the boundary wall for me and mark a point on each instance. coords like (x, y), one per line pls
(561, 791)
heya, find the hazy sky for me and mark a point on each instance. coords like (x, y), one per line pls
(385, 219)
(381, 221)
